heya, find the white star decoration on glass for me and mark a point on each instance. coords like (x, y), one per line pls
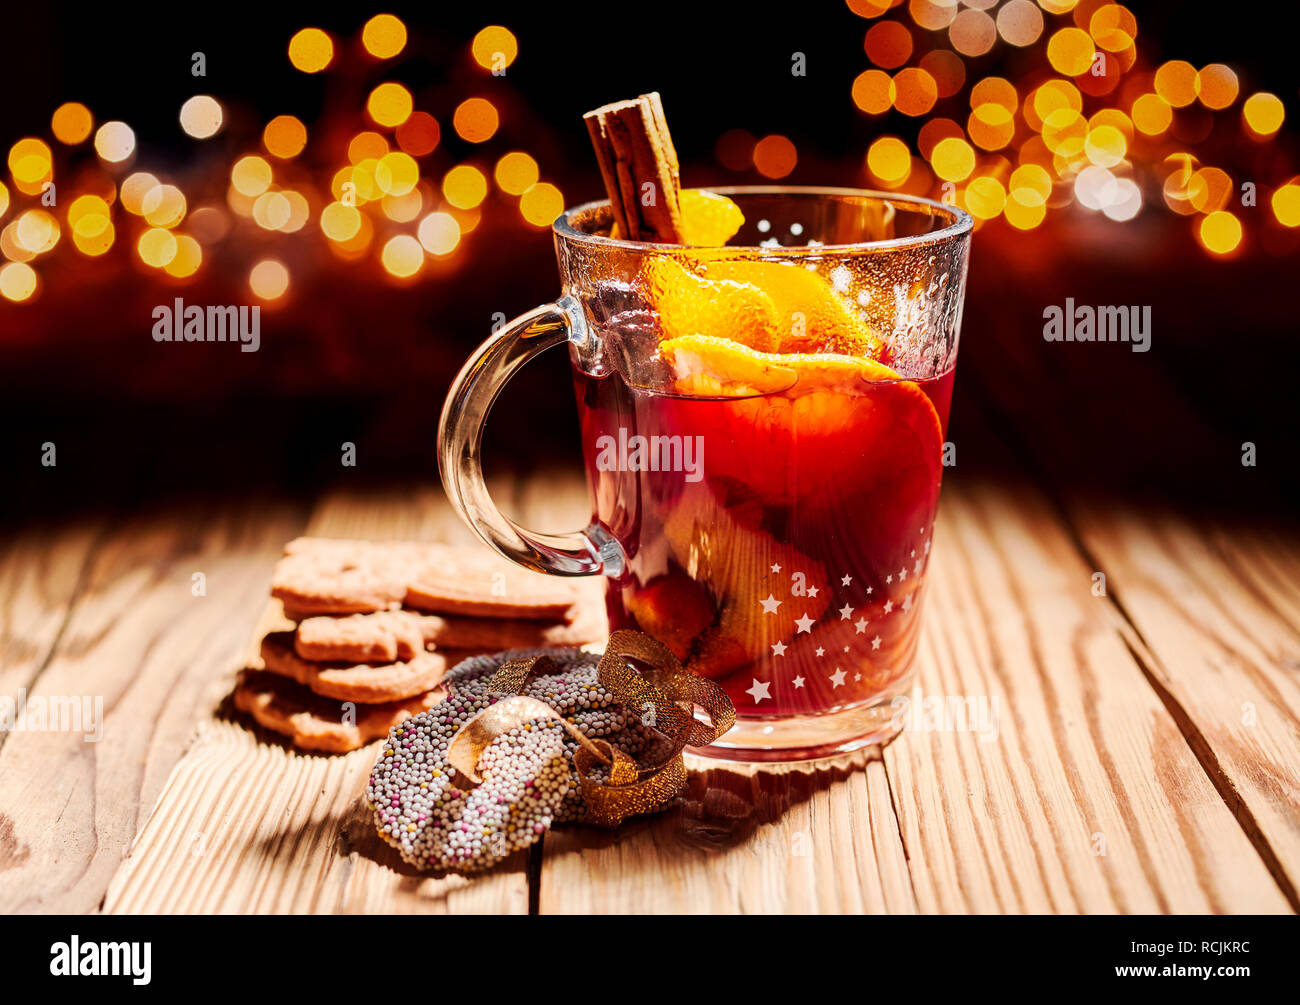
(759, 691)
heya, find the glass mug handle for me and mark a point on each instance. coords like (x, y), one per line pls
(586, 552)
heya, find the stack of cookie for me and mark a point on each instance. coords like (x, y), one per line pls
(379, 623)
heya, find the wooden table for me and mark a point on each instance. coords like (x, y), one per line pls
(1146, 759)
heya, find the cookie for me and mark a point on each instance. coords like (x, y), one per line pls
(318, 724)
(369, 683)
(323, 576)
(400, 635)
(487, 587)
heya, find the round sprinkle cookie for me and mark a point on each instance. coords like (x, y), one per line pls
(529, 780)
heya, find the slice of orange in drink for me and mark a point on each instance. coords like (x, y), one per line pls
(688, 304)
(708, 219)
(806, 428)
(814, 318)
(717, 537)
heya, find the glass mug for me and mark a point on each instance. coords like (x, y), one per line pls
(766, 515)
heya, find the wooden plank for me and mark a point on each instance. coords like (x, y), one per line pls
(808, 838)
(1086, 758)
(42, 572)
(1211, 603)
(1215, 614)
(246, 825)
(139, 641)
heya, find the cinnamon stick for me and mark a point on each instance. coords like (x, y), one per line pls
(639, 166)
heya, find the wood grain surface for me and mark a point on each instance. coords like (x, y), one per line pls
(1118, 776)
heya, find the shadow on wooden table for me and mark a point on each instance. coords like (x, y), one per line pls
(724, 803)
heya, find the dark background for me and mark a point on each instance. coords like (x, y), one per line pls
(355, 358)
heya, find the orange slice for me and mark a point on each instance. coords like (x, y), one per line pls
(700, 361)
(720, 543)
(688, 304)
(814, 318)
(807, 429)
(708, 219)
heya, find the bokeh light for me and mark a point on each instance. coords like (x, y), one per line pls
(495, 48)
(439, 233)
(115, 142)
(1263, 113)
(1070, 51)
(269, 279)
(251, 175)
(311, 50)
(390, 104)
(384, 36)
(541, 204)
(419, 134)
(163, 206)
(284, 137)
(516, 172)
(1286, 205)
(1218, 86)
(157, 247)
(1177, 82)
(188, 258)
(340, 222)
(888, 44)
(889, 160)
(71, 123)
(201, 116)
(402, 256)
(1019, 22)
(17, 281)
(953, 159)
(775, 156)
(1220, 232)
(475, 120)
(915, 91)
(972, 32)
(134, 189)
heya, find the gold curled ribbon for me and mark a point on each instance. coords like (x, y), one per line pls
(666, 694)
